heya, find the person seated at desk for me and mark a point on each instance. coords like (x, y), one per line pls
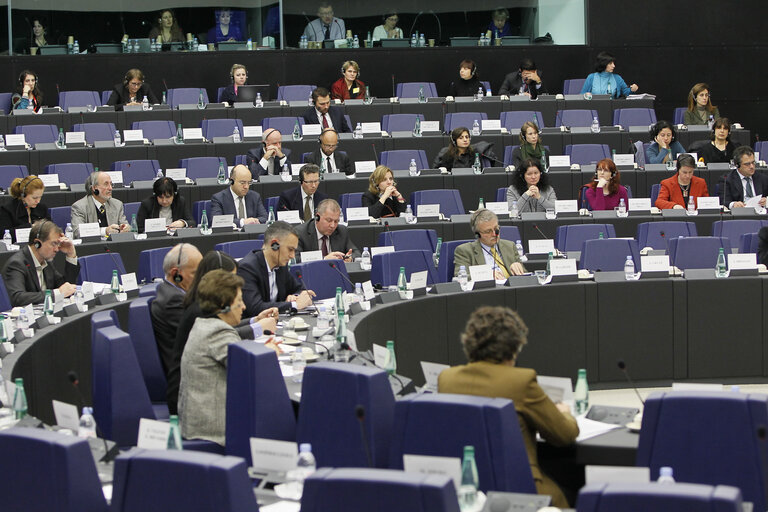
(238, 75)
(700, 107)
(348, 86)
(605, 192)
(382, 197)
(326, 26)
(28, 94)
(461, 154)
(38, 33)
(499, 26)
(743, 183)
(167, 29)
(268, 282)
(132, 91)
(327, 157)
(468, 82)
(305, 197)
(224, 30)
(531, 146)
(525, 81)
(325, 114)
(25, 208)
(165, 202)
(270, 157)
(676, 190)
(488, 248)
(720, 150)
(530, 188)
(665, 146)
(239, 200)
(30, 271)
(492, 340)
(388, 29)
(605, 81)
(248, 329)
(98, 205)
(324, 233)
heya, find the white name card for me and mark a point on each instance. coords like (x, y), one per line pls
(222, 221)
(311, 256)
(696, 386)
(22, 235)
(89, 229)
(116, 177)
(74, 138)
(544, 246)
(616, 474)
(498, 207)
(153, 434)
(368, 292)
(371, 127)
(708, 203)
(428, 210)
(559, 160)
(566, 206)
(252, 131)
(654, 263)
(358, 213)
(418, 280)
(432, 465)
(311, 129)
(15, 139)
(154, 225)
(133, 135)
(382, 249)
(624, 159)
(558, 389)
(430, 126)
(640, 204)
(694, 155)
(491, 125)
(66, 415)
(365, 166)
(129, 282)
(481, 273)
(279, 456)
(431, 372)
(736, 261)
(192, 134)
(379, 355)
(289, 216)
(295, 168)
(562, 267)
(49, 180)
(177, 174)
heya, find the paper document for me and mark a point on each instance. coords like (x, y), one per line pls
(591, 428)
(753, 201)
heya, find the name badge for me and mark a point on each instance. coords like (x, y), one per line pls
(193, 134)
(566, 206)
(541, 246)
(430, 126)
(654, 263)
(381, 250)
(560, 267)
(498, 207)
(22, 235)
(66, 415)
(431, 372)
(368, 293)
(252, 131)
(640, 204)
(491, 125)
(433, 465)
(153, 434)
(279, 456)
(481, 273)
(311, 129)
(742, 261)
(177, 174)
(708, 203)
(380, 355)
(133, 135)
(365, 166)
(559, 160)
(154, 225)
(129, 282)
(311, 256)
(15, 139)
(358, 213)
(371, 127)
(74, 138)
(90, 229)
(418, 280)
(49, 180)
(222, 221)
(289, 216)
(696, 156)
(428, 210)
(624, 159)
(116, 176)
(295, 168)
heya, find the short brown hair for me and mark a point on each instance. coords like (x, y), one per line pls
(217, 290)
(495, 334)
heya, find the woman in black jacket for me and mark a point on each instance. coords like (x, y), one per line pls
(468, 82)
(382, 197)
(25, 208)
(131, 91)
(165, 202)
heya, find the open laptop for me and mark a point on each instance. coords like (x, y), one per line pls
(248, 92)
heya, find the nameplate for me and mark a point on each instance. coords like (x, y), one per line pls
(311, 256)
(222, 221)
(418, 280)
(252, 132)
(430, 126)
(500, 208)
(90, 229)
(22, 235)
(311, 129)
(433, 465)
(444, 288)
(381, 250)
(357, 214)
(177, 174)
(14, 139)
(544, 246)
(153, 434)
(371, 128)
(116, 176)
(66, 415)
(654, 263)
(481, 273)
(365, 166)
(746, 261)
(616, 474)
(49, 180)
(133, 136)
(106, 298)
(708, 203)
(431, 372)
(154, 225)
(271, 455)
(559, 161)
(624, 159)
(193, 134)
(75, 138)
(122, 237)
(255, 228)
(640, 204)
(566, 206)
(289, 216)
(428, 210)
(562, 267)
(491, 125)
(187, 232)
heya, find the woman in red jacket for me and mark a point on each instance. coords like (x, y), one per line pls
(348, 86)
(675, 191)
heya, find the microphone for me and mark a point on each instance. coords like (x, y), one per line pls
(394, 89)
(75, 381)
(496, 160)
(536, 227)
(58, 92)
(336, 21)
(334, 267)
(632, 147)
(112, 255)
(165, 85)
(623, 367)
(360, 414)
(666, 240)
(558, 118)
(301, 278)
(375, 155)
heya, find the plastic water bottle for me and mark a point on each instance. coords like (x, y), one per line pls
(390, 362)
(402, 282)
(720, 269)
(581, 393)
(7, 240)
(145, 103)
(2, 142)
(469, 480)
(514, 212)
(249, 44)
(200, 100)
(711, 121)
(285, 173)
(235, 135)
(479, 94)
(691, 206)
(4, 399)
(80, 299)
(414, 41)
(117, 139)
(306, 464)
(221, 176)
(174, 434)
(462, 277)
(296, 131)
(476, 128)
(520, 251)
(629, 269)
(61, 141)
(258, 102)
(422, 97)
(665, 475)
(477, 167)
(413, 170)
(367, 98)
(409, 217)
(114, 285)
(134, 224)
(164, 101)
(622, 207)
(68, 231)
(365, 262)
(600, 236)
(87, 426)
(358, 131)
(671, 163)
(422, 41)
(298, 364)
(204, 223)
(595, 128)
(76, 47)
(24, 321)
(356, 42)
(196, 45)
(271, 217)
(480, 204)
(544, 163)
(48, 304)
(417, 127)
(19, 405)
(438, 247)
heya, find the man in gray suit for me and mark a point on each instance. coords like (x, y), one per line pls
(488, 248)
(324, 234)
(245, 204)
(98, 205)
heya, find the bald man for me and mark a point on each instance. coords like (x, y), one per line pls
(270, 157)
(327, 156)
(239, 200)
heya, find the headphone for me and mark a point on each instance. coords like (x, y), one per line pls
(221, 264)
(127, 78)
(90, 186)
(455, 141)
(234, 68)
(275, 246)
(158, 183)
(23, 76)
(37, 241)
(474, 68)
(496, 231)
(178, 278)
(224, 309)
(232, 176)
(29, 179)
(344, 70)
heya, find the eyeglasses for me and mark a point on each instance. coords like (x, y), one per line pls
(748, 164)
(489, 231)
(312, 182)
(136, 84)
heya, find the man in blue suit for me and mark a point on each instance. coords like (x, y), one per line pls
(245, 204)
(324, 114)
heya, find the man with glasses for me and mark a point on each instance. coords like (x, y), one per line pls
(488, 248)
(743, 183)
(325, 114)
(131, 91)
(326, 26)
(305, 197)
(327, 158)
(30, 272)
(239, 200)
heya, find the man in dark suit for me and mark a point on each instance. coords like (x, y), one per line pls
(743, 183)
(324, 114)
(525, 80)
(267, 281)
(245, 204)
(488, 248)
(30, 271)
(179, 268)
(305, 197)
(324, 234)
(270, 157)
(327, 157)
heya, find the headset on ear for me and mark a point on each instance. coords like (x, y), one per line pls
(38, 243)
(177, 277)
(29, 180)
(224, 310)
(474, 69)
(275, 246)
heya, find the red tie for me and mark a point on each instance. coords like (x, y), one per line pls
(324, 246)
(325, 121)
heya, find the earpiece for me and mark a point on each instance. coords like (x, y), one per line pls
(224, 310)
(30, 179)
(474, 69)
(37, 242)
(94, 190)
(275, 246)
(317, 217)
(178, 278)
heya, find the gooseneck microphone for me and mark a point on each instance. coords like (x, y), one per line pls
(360, 414)
(623, 367)
(343, 276)
(375, 155)
(75, 381)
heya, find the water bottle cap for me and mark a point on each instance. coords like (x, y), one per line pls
(305, 448)
(88, 410)
(462, 267)
(365, 249)
(665, 471)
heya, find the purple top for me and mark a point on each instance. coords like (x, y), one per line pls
(600, 201)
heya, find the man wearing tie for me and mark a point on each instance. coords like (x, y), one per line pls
(239, 200)
(324, 234)
(742, 184)
(29, 272)
(326, 26)
(324, 114)
(326, 156)
(98, 205)
(270, 158)
(488, 248)
(305, 197)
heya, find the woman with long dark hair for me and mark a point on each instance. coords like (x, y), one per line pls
(461, 153)
(530, 188)
(28, 93)
(700, 106)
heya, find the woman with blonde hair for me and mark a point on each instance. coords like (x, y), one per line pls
(348, 86)
(382, 197)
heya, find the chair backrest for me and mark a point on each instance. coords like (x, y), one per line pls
(105, 95)
(449, 200)
(609, 254)
(323, 277)
(239, 248)
(186, 96)
(465, 119)
(151, 264)
(617, 497)
(241, 159)
(61, 216)
(5, 299)
(679, 115)
(501, 193)
(514, 119)
(348, 488)
(145, 345)
(71, 173)
(106, 318)
(399, 122)
(38, 133)
(583, 154)
(330, 394)
(489, 424)
(733, 229)
(400, 159)
(154, 480)
(219, 92)
(386, 267)
(295, 93)
(655, 189)
(155, 129)
(446, 264)
(202, 166)
(762, 148)
(658, 234)
(252, 369)
(198, 207)
(5, 102)
(697, 251)
(749, 242)
(640, 154)
(409, 239)
(98, 267)
(272, 202)
(221, 127)
(131, 209)
(575, 117)
(69, 482)
(69, 99)
(627, 117)
(511, 233)
(573, 85)
(411, 89)
(10, 172)
(729, 451)
(137, 170)
(284, 125)
(96, 131)
(570, 237)
(148, 290)
(350, 200)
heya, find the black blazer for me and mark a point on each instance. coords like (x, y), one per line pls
(149, 209)
(21, 278)
(291, 200)
(336, 115)
(120, 95)
(339, 239)
(340, 158)
(166, 311)
(734, 190)
(253, 270)
(391, 207)
(513, 81)
(228, 94)
(253, 159)
(13, 215)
